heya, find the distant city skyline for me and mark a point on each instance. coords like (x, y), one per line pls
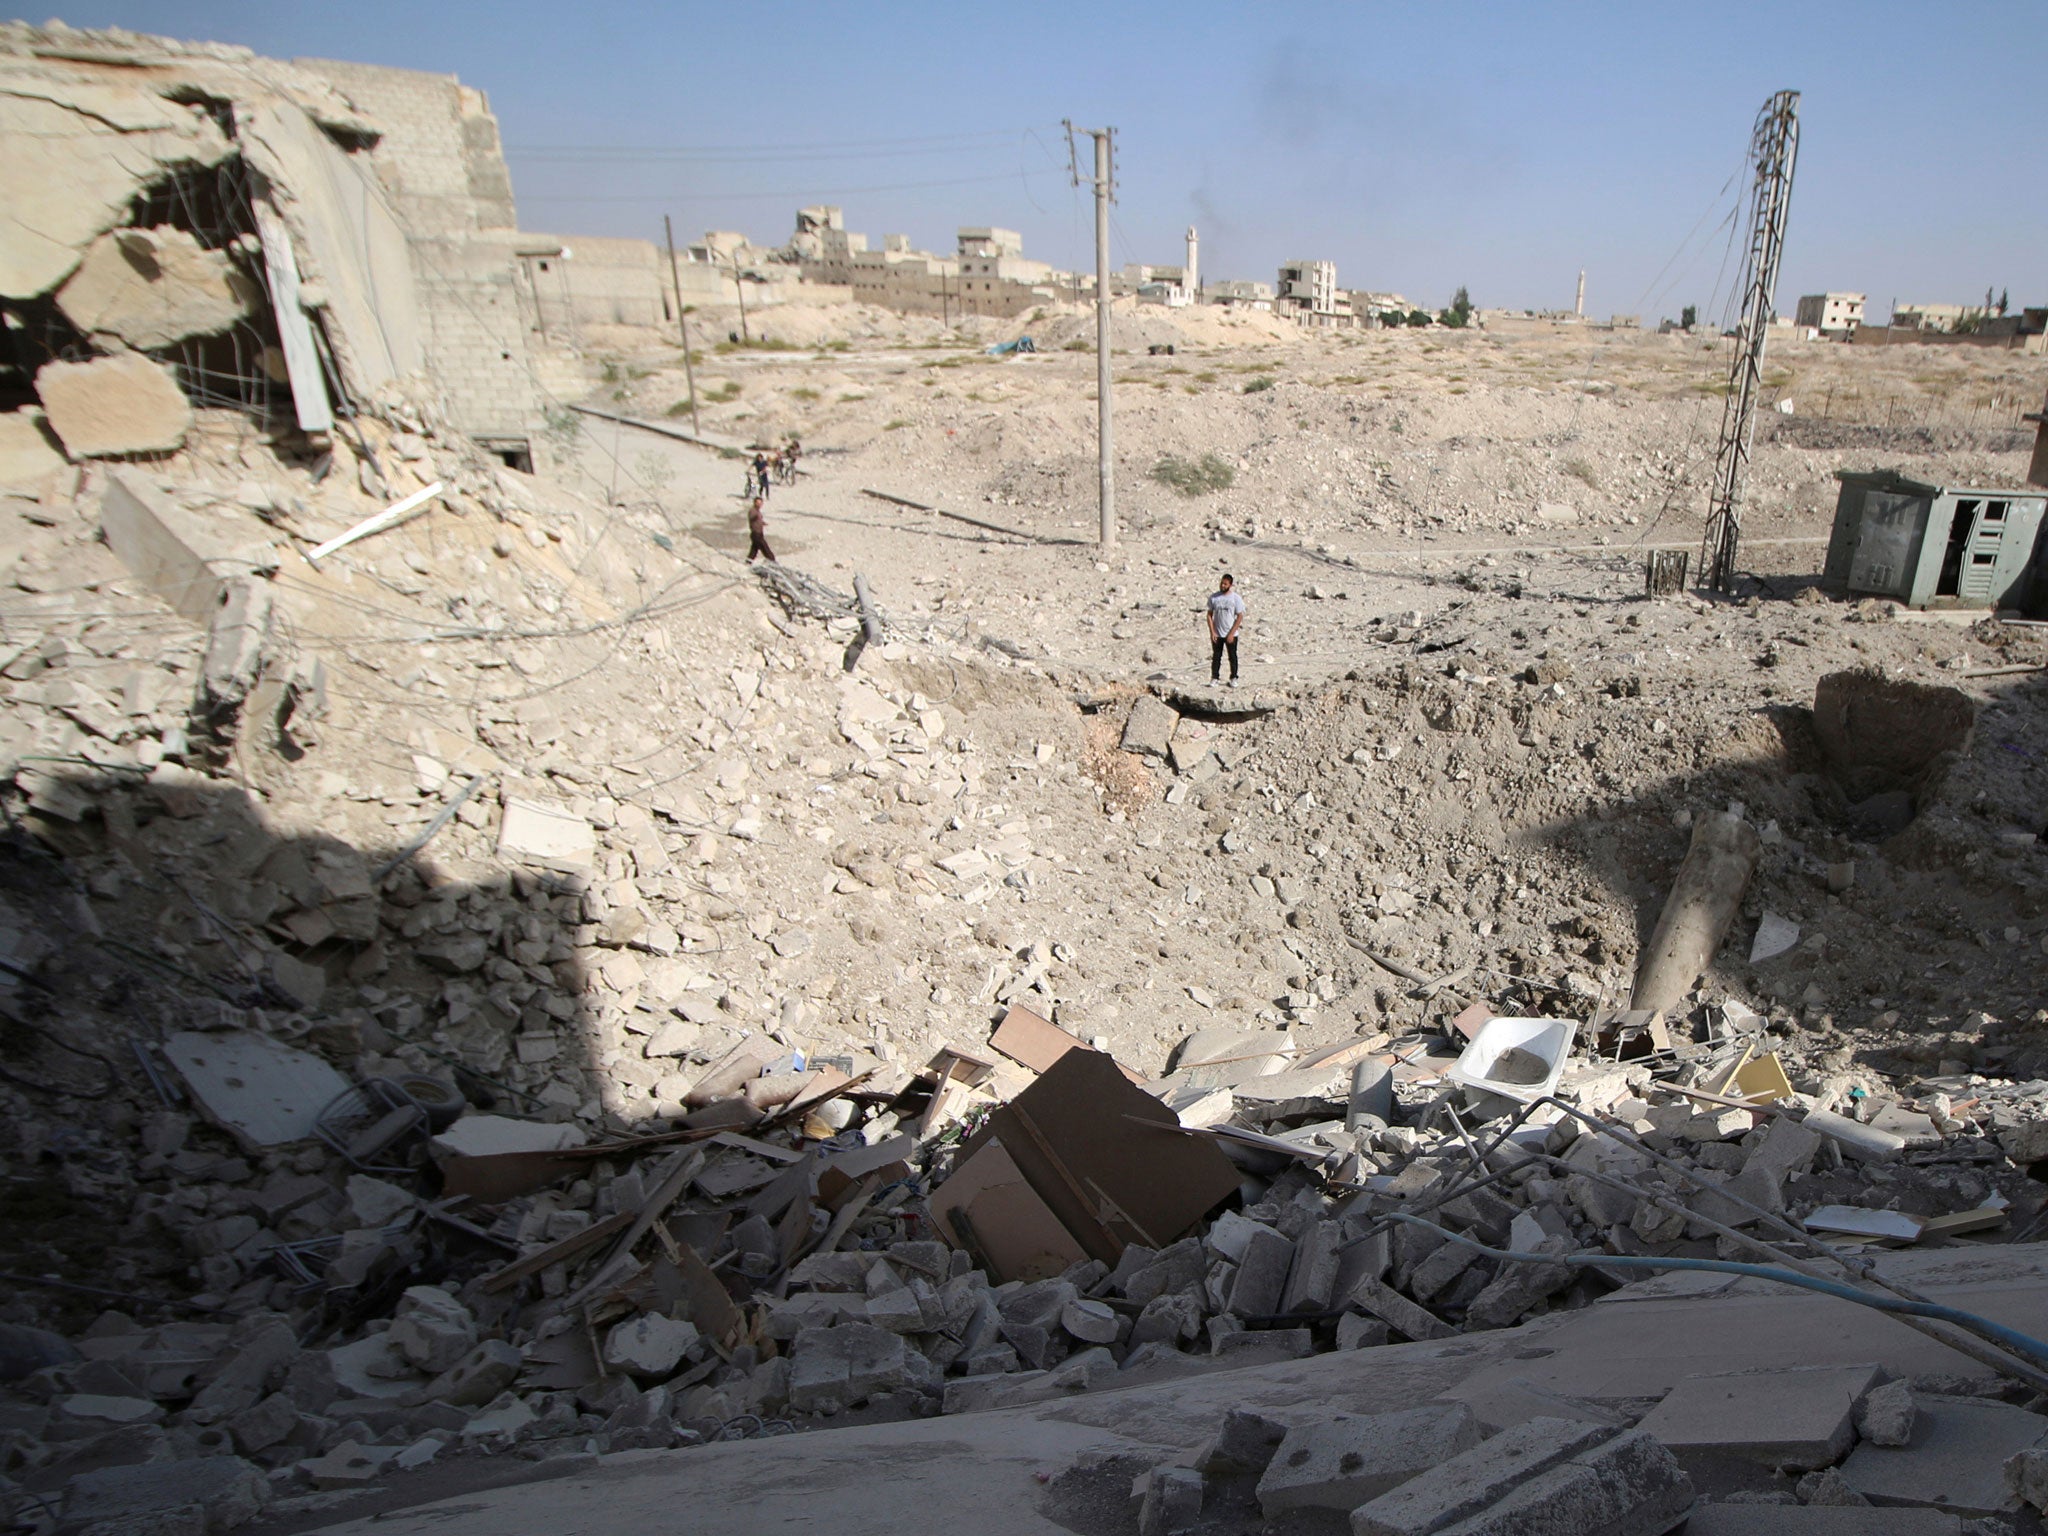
(1421, 147)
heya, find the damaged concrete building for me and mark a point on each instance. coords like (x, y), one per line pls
(193, 226)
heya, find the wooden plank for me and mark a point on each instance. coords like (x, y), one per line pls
(555, 1252)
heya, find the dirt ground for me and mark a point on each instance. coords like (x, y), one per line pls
(1487, 746)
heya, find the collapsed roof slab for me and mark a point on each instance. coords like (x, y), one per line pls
(350, 250)
(77, 154)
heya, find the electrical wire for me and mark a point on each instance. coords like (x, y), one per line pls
(781, 196)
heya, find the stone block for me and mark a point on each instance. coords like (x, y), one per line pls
(831, 1369)
(1357, 1332)
(1149, 730)
(1398, 1312)
(1092, 1322)
(1170, 1319)
(477, 1377)
(1343, 1461)
(430, 1327)
(650, 1344)
(1887, 1414)
(1312, 1281)
(1517, 1288)
(1172, 1501)
(1243, 1444)
(1803, 1418)
(1956, 1460)
(1261, 1277)
(270, 1421)
(248, 1374)
(108, 407)
(1434, 1275)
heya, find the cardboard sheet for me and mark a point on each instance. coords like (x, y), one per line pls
(987, 1208)
(1084, 1138)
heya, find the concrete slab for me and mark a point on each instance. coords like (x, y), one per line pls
(1818, 1520)
(1462, 1485)
(1343, 1461)
(110, 406)
(489, 1135)
(1956, 1461)
(988, 1472)
(546, 833)
(261, 1091)
(1641, 1341)
(1801, 1418)
(1545, 1479)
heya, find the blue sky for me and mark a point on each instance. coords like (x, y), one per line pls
(1420, 146)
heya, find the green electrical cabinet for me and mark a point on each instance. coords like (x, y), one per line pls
(1933, 546)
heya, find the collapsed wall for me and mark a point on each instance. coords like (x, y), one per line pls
(194, 227)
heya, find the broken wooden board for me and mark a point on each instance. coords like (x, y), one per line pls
(1038, 1043)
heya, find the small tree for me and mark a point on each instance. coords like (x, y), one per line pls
(1689, 316)
(2004, 298)
(1460, 312)
(1418, 317)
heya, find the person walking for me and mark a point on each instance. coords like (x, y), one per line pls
(757, 534)
(1226, 622)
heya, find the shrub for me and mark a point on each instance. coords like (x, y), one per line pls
(804, 392)
(894, 424)
(1260, 385)
(725, 394)
(1078, 345)
(1194, 477)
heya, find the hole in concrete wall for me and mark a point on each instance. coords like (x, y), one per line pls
(1886, 743)
(513, 452)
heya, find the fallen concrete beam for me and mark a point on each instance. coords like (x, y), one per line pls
(1696, 915)
(186, 556)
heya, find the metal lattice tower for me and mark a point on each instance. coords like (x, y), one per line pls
(1773, 148)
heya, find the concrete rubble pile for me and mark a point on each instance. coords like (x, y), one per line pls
(445, 1011)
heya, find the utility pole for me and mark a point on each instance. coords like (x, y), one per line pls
(1104, 436)
(1773, 151)
(740, 288)
(682, 319)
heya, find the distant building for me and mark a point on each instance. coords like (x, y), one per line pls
(1236, 293)
(1931, 317)
(1832, 314)
(824, 248)
(1369, 308)
(1308, 295)
(988, 274)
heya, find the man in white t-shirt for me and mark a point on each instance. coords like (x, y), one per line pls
(1226, 620)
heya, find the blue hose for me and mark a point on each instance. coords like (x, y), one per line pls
(1984, 1327)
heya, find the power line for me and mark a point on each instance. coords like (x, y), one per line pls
(823, 149)
(784, 196)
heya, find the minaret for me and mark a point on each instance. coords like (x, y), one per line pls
(1579, 308)
(1193, 276)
